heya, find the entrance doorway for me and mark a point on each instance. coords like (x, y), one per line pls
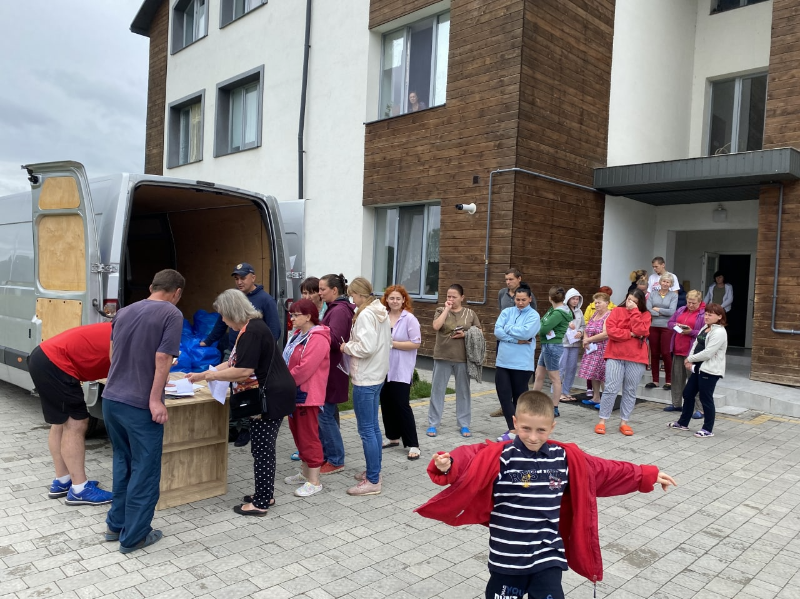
(736, 268)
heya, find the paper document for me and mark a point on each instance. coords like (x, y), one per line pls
(677, 328)
(219, 389)
(591, 348)
(179, 388)
(572, 335)
(550, 335)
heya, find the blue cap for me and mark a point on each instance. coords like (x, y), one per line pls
(243, 269)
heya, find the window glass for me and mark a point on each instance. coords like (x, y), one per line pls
(393, 80)
(385, 235)
(420, 54)
(188, 25)
(185, 135)
(237, 101)
(195, 132)
(200, 19)
(431, 286)
(410, 236)
(251, 115)
(752, 113)
(722, 99)
(442, 50)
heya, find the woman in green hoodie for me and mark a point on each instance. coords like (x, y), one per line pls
(554, 324)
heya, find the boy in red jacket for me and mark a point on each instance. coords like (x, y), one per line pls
(538, 498)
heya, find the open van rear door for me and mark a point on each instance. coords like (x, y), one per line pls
(66, 257)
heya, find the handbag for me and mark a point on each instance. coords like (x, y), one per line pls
(275, 399)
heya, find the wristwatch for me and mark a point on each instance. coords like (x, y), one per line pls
(446, 472)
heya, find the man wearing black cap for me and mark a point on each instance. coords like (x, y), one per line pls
(245, 277)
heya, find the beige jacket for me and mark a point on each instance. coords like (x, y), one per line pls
(713, 356)
(369, 345)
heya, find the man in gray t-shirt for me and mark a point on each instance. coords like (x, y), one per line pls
(145, 336)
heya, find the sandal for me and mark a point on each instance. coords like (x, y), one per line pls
(431, 432)
(600, 429)
(390, 443)
(465, 432)
(239, 509)
(678, 426)
(567, 398)
(413, 453)
(703, 433)
(625, 430)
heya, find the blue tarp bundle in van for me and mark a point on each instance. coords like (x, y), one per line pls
(194, 358)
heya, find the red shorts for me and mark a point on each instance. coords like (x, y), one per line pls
(304, 424)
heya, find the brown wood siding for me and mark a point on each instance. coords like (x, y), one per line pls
(776, 357)
(156, 92)
(526, 88)
(384, 11)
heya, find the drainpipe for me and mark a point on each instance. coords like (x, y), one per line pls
(302, 125)
(777, 264)
(489, 216)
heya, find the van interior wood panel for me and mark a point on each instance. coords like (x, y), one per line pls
(59, 193)
(62, 252)
(58, 315)
(151, 199)
(209, 244)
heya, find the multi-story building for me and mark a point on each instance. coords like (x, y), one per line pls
(592, 136)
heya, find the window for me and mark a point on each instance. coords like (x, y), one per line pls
(723, 5)
(407, 249)
(239, 107)
(414, 66)
(738, 107)
(230, 10)
(189, 23)
(185, 130)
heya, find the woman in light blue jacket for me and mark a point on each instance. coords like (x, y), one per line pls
(515, 330)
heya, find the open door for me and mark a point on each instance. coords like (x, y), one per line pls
(66, 257)
(710, 266)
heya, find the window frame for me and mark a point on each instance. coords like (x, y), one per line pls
(174, 110)
(406, 29)
(224, 113)
(423, 258)
(227, 7)
(178, 27)
(715, 10)
(737, 107)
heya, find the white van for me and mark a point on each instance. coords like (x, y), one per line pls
(73, 251)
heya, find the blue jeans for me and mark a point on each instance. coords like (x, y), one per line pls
(137, 442)
(330, 436)
(366, 401)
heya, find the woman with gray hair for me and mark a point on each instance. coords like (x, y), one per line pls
(662, 305)
(247, 369)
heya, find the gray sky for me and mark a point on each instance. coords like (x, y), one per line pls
(74, 87)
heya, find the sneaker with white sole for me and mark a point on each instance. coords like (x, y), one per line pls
(297, 479)
(91, 495)
(307, 490)
(363, 476)
(365, 488)
(58, 489)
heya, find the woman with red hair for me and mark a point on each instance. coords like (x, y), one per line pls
(398, 418)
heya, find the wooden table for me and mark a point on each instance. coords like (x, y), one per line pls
(194, 462)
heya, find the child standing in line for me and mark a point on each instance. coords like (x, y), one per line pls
(569, 359)
(538, 498)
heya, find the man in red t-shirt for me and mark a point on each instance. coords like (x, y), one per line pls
(57, 367)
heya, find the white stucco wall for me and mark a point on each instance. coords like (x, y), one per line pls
(728, 44)
(335, 112)
(651, 80)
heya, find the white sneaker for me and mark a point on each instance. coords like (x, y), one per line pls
(295, 480)
(307, 490)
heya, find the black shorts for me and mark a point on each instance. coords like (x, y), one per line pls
(61, 394)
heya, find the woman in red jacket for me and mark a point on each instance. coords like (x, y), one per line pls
(626, 358)
(307, 354)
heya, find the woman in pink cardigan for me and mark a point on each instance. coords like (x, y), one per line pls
(307, 354)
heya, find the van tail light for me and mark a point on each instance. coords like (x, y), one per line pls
(289, 323)
(110, 306)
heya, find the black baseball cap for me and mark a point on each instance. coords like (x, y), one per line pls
(243, 269)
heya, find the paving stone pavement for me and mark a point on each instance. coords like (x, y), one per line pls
(729, 530)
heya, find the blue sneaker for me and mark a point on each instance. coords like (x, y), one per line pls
(556, 413)
(58, 489)
(296, 456)
(91, 495)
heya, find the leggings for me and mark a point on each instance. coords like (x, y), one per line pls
(263, 434)
(510, 384)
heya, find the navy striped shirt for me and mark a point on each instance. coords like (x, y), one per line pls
(523, 527)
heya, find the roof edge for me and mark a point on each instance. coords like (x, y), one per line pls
(144, 18)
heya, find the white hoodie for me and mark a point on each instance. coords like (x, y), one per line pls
(369, 345)
(580, 323)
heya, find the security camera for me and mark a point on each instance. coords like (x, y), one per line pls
(468, 208)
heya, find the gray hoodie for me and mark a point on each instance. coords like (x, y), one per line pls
(580, 323)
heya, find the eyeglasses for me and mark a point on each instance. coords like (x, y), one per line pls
(293, 316)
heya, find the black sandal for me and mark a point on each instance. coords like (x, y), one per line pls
(243, 512)
(390, 444)
(249, 499)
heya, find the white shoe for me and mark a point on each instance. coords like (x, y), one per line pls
(295, 480)
(307, 490)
